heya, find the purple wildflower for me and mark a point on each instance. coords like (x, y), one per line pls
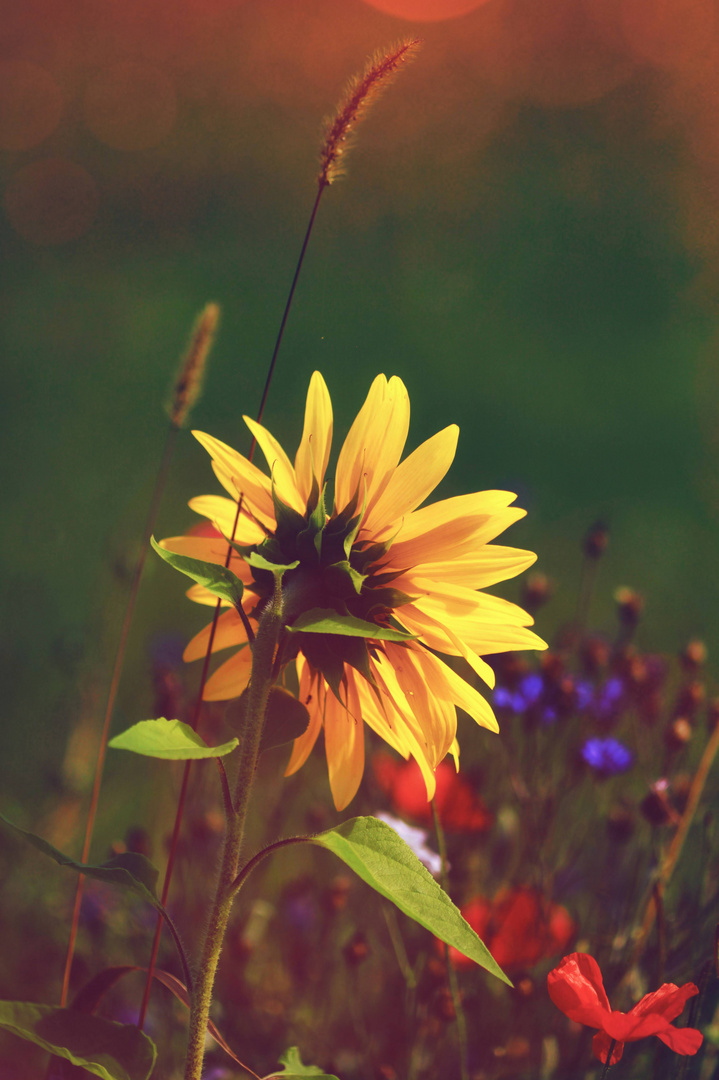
(607, 756)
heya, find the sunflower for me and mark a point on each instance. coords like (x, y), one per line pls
(375, 589)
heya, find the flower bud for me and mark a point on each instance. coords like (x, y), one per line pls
(629, 606)
(678, 734)
(595, 655)
(356, 950)
(693, 655)
(656, 806)
(537, 591)
(690, 698)
(620, 824)
(596, 540)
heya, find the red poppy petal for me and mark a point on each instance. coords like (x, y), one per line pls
(668, 1001)
(682, 1040)
(576, 987)
(600, 1048)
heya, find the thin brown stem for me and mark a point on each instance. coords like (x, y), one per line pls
(288, 305)
(675, 848)
(112, 695)
(183, 790)
(451, 973)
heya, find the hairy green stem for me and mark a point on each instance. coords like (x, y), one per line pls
(248, 751)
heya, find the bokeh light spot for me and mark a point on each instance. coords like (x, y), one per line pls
(51, 201)
(426, 10)
(30, 104)
(131, 106)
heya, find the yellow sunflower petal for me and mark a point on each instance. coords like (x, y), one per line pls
(282, 470)
(464, 695)
(229, 631)
(238, 475)
(344, 746)
(312, 694)
(437, 635)
(231, 678)
(435, 716)
(222, 513)
(456, 602)
(363, 703)
(200, 595)
(460, 508)
(479, 569)
(374, 443)
(385, 676)
(316, 442)
(412, 481)
(452, 539)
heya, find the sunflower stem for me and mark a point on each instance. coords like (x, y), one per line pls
(451, 973)
(248, 752)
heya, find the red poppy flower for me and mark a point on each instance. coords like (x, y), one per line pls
(519, 928)
(460, 808)
(576, 987)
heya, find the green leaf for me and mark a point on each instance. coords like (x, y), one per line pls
(381, 858)
(327, 621)
(130, 870)
(256, 560)
(286, 718)
(106, 1049)
(170, 740)
(294, 1069)
(218, 579)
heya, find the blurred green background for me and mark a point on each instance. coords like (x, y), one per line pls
(526, 235)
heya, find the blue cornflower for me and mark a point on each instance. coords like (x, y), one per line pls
(609, 698)
(607, 756)
(530, 688)
(507, 699)
(584, 694)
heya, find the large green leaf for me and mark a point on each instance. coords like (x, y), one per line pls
(327, 621)
(381, 858)
(294, 1069)
(286, 718)
(218, 579)
(130, 870)
(170, 740)
(112, 1051)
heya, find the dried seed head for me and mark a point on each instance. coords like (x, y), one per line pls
(188, 383)
(630, 605)
(361, 91)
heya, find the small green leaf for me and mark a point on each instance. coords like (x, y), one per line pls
(256, 560)
(130, 870)
(170, 740)
(218, 579)
(106, 1049)
(381, 858)
(294, 1069)
(327, 621)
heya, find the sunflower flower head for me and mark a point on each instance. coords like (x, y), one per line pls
(374, 583)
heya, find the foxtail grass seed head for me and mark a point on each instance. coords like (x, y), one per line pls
(188, 384)
(361, 92)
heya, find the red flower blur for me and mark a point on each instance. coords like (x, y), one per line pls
(518, 927)
(459, 807)
(576, 987)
